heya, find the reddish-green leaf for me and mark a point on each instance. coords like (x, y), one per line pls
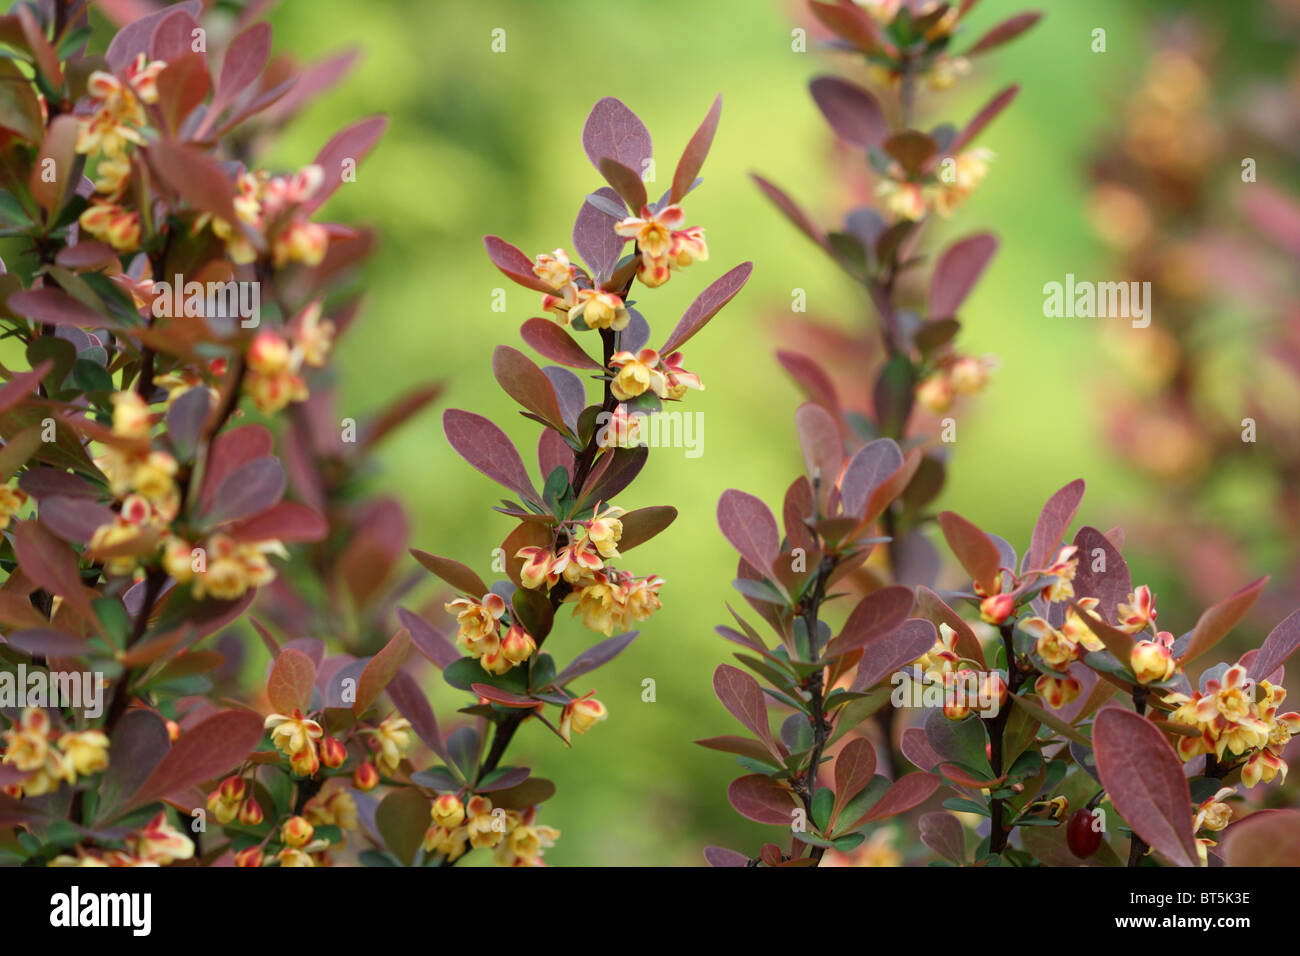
(381, 669)
(743, 698)
(1052, 523)
(207, 750)
(1220, 618)
(289, 687)
(855, 765)
(688, 167)
(973, 549)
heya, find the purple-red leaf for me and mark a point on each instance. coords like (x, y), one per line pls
(210, 748)
(488, 450)
(958, 269)
(342, 154)
(855, 765)
(556, 344)
(1005, 32)
(595, 239)
(867, 470)
(688, 167)
(613, 131)
(1052, 523)
(454, 573)
(514, 264)
(751, 528)
(761, 799)
(876, 615)
(526, 384)
(1277, 647)
(1220, 618)
(907, 792)
(1144, 779)
(887, 653)
(707, 305)
(982, 119)
(853, 113)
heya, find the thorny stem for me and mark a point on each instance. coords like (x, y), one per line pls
(505, 731)
(814, 686)
(996, 725)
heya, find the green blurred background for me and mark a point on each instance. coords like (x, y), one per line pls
(485, 142)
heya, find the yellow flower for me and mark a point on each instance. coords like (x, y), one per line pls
(1057, 691)
(652, 231)
(1139, 612)
(637, 374)
(1152, 662)
(291, 856)
(159, 842)
(87, 750)
(448, 812)
(296, 831)
(11, 502)
(484, 828)
(555, 270)
(934, 393)
(27, 743)
(224, 802)
(599, 607)
(518, 645)
(1056, 650)
(393, 736)
(1214, 814)
(604, 530)
(538, 568)
(641, 597)
(293, 734)
(478, 622)
(111, 223)
(600, 310)
(902, 200)
(1077, 631)
(581, 715)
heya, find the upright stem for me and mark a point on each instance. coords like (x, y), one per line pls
(996, 725)
(816, 689)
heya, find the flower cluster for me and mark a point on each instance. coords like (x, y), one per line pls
(1237, 720)
(157, 843)
(513, 835)
(49, 757)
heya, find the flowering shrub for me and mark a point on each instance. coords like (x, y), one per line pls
(570, 538)
(166, 288)
(1024, 730)
(908, 360)
(1020, 730)
(914, 371)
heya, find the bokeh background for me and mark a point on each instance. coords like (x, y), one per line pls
(484, 142)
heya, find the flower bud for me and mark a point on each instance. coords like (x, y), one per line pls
(448, 812)
(296, 831)
(1152, 662)
(332, 753)
(996, 608)
(518, 645)
(250, 857)
(250, 813)
(365, 777)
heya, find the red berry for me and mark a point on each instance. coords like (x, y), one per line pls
(1082, 836)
